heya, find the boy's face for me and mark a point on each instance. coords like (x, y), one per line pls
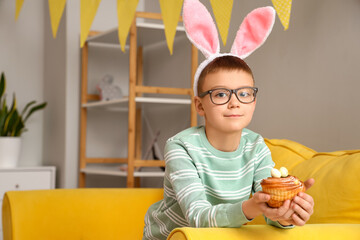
(230, 117)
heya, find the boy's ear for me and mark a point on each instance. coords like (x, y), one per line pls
(198, 106)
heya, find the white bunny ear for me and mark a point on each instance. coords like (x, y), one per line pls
(200, 27)
(253, 31)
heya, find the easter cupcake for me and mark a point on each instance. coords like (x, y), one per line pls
(281, 186)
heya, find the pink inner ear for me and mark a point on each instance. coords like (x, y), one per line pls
(200, 27)
(253, 31)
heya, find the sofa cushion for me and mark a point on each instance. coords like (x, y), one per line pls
(336, 191)
(287, 153)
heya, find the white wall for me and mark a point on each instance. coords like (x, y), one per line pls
(22, 60)
(308, 75)
(62, 87)
(55, 94)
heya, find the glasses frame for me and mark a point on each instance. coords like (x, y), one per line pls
(255, 89)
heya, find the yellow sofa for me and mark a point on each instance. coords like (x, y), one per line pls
(75, 214)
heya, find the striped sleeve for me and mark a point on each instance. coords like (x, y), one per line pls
(263, 164)
(189, 192)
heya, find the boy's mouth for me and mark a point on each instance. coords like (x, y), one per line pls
(233, 115)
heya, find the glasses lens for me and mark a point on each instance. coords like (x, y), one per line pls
(246, 95)
(220, 96)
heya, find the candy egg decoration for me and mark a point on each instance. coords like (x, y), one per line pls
(283, 172)
(275, 173)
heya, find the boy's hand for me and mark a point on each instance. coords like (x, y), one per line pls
(282, 214)
(303, 205)
(301, 208)
(257, 205)
(296, 212)
(253, 207)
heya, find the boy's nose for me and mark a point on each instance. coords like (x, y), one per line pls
(234, 102)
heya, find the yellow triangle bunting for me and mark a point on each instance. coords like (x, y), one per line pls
(56, 9)
(283, 9)
(18, 6)
(126, 11)
(170, 11)
(88, 10)
(222, 12)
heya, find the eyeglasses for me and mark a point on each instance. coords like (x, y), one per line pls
(220, 96)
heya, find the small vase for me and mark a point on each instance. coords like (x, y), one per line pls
(9, 151)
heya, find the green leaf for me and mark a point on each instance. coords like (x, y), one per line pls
(12, 123)
(3, 115)
(8, 120)
(34, 109)
(26, 107)
(2, 85)
(13, 106)
(4, 104)
(18, 127)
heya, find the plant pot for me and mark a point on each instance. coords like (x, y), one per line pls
(9, 151)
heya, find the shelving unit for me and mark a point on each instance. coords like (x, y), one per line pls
(139, 97)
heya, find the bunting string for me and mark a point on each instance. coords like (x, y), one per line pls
(170, 11)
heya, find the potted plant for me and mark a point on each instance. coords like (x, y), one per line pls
(12, 126)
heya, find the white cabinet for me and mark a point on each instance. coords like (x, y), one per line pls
(29, 178)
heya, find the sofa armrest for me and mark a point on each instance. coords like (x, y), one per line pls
(75, 214)
(264, 232)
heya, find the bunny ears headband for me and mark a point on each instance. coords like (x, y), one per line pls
(201, 30)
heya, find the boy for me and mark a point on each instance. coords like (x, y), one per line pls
(211, 171)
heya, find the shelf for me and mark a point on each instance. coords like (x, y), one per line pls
(107, 45)
(125, 100)
(106, 103)
(115, 171)
(162, 100)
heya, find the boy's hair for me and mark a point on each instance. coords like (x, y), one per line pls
(228, 62)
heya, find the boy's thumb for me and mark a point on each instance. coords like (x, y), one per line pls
(308, 183)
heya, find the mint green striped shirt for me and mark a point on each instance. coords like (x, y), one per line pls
(205, 187)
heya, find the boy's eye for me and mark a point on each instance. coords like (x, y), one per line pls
(244, 94)
(220, 94)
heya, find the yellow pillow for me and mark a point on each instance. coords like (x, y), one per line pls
(336, 191)
(287, 153)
